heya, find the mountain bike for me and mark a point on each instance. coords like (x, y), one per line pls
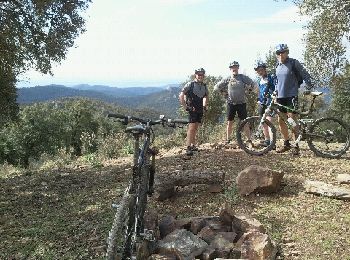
(327, 137)
(128, 229)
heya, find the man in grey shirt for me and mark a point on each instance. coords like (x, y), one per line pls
(234, 89)
(194, 99)
(290, 74)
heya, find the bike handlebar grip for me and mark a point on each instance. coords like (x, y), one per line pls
(117, 116)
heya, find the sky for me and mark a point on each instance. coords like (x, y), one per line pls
(159, 42)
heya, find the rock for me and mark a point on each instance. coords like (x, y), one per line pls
(258, 179)
(257, 246)
(226, 214)
(182, 242)
(243, 224)
(166, 226)
(343, 178)
(207, 234)
(197, 224)
(151, 222)
(327, 190)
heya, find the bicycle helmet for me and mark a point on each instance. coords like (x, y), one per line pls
(233, 63)
(260, 64)
(199, 71)
(282, 47)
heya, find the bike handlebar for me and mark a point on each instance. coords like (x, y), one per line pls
(162, 120)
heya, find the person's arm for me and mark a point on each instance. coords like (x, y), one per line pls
(220, 86)
(183, 96)
(249, 83)
(304, 74)
(206, 100)
(182, 99)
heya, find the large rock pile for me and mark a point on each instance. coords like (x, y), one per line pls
(227, 236)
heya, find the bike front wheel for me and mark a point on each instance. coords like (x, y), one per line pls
(119, 241)
(329, 137)
(251, 137)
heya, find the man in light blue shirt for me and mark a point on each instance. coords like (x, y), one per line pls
(290, 74)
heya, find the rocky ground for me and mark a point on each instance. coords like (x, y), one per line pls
(66, 213)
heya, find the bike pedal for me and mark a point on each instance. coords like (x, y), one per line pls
(148, 235)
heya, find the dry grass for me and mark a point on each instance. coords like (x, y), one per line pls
(66, 214)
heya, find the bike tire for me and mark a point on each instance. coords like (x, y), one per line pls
(257, 136)
(123, 225)
(329, 137)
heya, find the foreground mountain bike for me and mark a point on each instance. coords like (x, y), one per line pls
(127, 230)
(327, 137)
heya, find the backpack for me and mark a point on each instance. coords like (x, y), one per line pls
(190, 97)
(296, 73)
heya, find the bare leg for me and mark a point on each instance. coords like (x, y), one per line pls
(229, 129)
(296, 128)
(283, 127)
(267, 129)
(191, 134)
(197, 125)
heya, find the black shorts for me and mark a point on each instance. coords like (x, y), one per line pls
(290, 102)
(240, 109)
(261, 110)
(195, 117)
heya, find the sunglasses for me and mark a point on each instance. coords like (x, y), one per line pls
(200, 75)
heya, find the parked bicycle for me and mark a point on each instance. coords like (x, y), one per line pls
(327, 136)
(128, 229)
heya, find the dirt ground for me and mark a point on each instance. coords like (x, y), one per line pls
(66, 213)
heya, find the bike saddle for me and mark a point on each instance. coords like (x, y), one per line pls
(316, 93)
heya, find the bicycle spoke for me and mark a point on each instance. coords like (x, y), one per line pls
(251, 137)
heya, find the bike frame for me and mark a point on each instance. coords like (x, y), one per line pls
(302, 123)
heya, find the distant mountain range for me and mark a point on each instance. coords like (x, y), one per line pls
(162, 99)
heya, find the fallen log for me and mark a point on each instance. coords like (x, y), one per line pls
(165, 183)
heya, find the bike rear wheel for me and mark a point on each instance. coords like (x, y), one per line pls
(251, 129)
(329, 137)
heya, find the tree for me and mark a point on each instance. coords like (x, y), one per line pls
(328, 33)
(36, 33)
(8, 105)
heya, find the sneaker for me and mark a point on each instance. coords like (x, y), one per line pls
(189, 151)
(264, 143)
(194, 148)
(296, 150)
(283, 149)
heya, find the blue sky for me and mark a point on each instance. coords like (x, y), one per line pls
(155, 42)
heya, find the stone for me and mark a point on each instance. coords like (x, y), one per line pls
(243, 224)
(226, 214)
(327, 190)
(184, 243)
(207, 234)
(343, 178)
(259, 180)
(166, 225)
(151, 222)
(258, 246)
